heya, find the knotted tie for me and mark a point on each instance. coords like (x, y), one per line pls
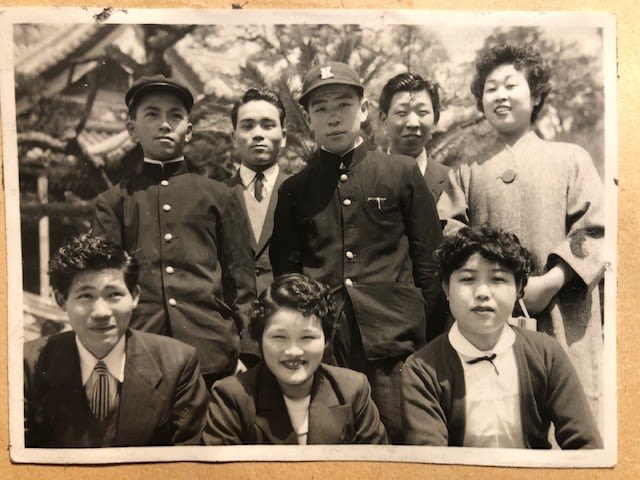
(488, 358)
(100, 397)
(259, 186)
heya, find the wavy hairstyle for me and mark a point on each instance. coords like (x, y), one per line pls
(525, 59)
(296, 292)
(493, 245)
(87, 252)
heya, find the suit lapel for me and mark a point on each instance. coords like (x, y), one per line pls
(235, 183)
(435, 176)
(267, 228)
(272, 418)
(140, 401)
(328, 419)
(68, 396)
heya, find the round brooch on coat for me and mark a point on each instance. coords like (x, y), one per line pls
(508, 176)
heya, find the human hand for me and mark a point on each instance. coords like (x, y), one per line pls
(540, 290)
(537, 294)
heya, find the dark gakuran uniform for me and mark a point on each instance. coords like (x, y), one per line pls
(189, 236)
(368, 230)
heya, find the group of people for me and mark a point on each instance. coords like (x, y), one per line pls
(374, 297)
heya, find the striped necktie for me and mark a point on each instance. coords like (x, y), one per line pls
(100, 404)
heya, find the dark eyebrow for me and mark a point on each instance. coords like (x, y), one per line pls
(467, 269)
(84, 287)
(317, 100)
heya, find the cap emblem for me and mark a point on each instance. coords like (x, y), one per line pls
(326, 73)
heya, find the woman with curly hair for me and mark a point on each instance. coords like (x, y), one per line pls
(547, 193)
(485, 383)
(292, 397)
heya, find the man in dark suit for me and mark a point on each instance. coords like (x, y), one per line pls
(365, 224)
(103, 384)
(410, 109)
(258, 135)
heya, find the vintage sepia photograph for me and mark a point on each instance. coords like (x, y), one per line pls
(261, 235)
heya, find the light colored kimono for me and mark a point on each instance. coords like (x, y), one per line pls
(550, 195)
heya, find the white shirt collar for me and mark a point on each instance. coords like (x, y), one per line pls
(166, 162)
(466, 349)
(114, 360)
(422, 161)
(248, 176)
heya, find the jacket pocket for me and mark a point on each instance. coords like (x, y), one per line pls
(391, 318)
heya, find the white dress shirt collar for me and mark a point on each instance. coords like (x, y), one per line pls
(466, 349)
(248, 176)
(114, 360)
(422, 161)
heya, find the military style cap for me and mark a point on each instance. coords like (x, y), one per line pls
(155, 83)
(329, 73)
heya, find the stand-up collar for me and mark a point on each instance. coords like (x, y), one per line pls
(162, 170)
(347, 160)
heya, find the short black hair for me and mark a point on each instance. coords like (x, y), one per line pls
(492, 244)
(258, 94)
(525, 59)
(410, 82)
(88, 252)
(297, 292)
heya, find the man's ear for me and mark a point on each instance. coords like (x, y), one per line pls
(283, 142)
(383, 118)
(187, 137)
(135, 294)
(306, 116)
(60, 300)
(364, 110)
(131, 128)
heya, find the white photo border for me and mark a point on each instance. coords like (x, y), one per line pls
(446, 455)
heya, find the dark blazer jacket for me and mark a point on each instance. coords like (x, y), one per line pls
(370, 232)
(433, 387)
(263, 270)
(196, 277)
(436, 177)
(163, 398)
(249, 409)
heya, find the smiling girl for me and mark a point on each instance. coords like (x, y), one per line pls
(292, 397)
(547, 193)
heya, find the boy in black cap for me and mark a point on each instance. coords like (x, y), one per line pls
(364, 223)
(196, 275)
